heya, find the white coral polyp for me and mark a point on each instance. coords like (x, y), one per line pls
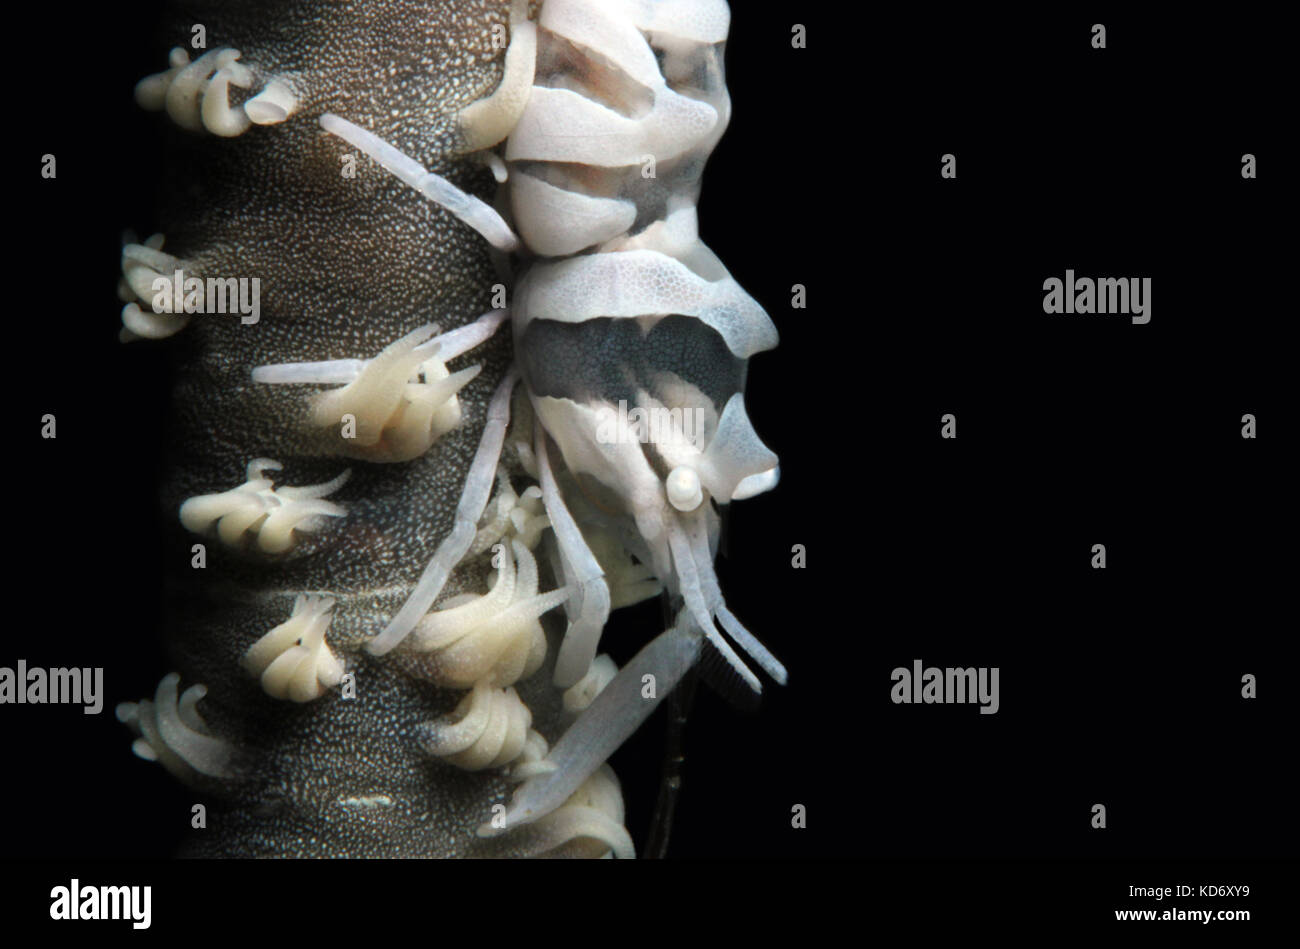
(490, 728)
(512, 516)
(174, 734)
(395, 406)
(589, 824)
(402, 401)
(272, 515)
(293, 659)
(273, 104)
(495, 637)
(532, 759)
(196, 95)
(142, 264)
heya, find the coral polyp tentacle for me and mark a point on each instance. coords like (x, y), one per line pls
(275, 517)
(496, 637)
(532, 759)
(196, 95)
(490, 728)
(143, 265)
(293, 659)
(512, 515)
(174, 734)
(274, 104)
(217, 115)
(395, 406)
(589, 823)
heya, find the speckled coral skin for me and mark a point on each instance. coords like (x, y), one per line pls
(346, 266)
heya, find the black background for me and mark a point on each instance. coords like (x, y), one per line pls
(1119, 687)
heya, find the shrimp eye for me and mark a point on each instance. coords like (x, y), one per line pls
(683, 486)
